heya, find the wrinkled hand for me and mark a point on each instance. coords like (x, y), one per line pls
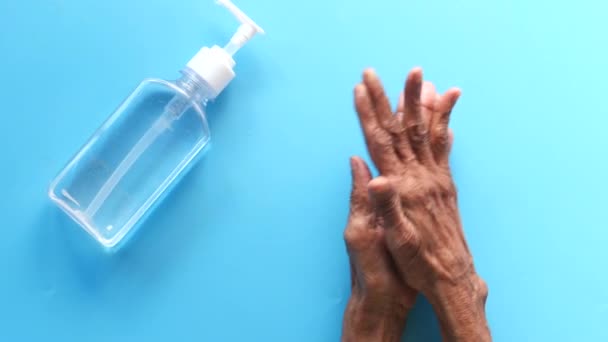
(380, 300)
(415, 194)
(415, 201)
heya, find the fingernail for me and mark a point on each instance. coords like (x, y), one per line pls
(359, 90)
(417, 72)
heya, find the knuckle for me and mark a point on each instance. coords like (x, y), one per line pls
(395, 125)
(483, 290)
(351, 237)
(354, 234)
(390, 125)
(446, 187)
(358, 222)
(381, 137)
(440, 137)
(413, 101)
(418, 132)
(442, 181)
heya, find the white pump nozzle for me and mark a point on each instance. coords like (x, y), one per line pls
(246, 31)
(215, 64)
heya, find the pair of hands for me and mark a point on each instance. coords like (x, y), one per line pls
(404, 234)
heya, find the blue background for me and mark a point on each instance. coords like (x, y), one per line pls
(249, 246)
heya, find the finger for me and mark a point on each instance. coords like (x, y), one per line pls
(400, 138)
(378, 140)
(413, 120)
(401, 104)
(393, 124)
(401, 141)
(360, 208)
(379, 99)
(441, 136)
(447, 105)
(386, 202)
(400, 233)
(359, 196)
(428, 101)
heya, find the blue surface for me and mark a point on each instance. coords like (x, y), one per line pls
(249, 247)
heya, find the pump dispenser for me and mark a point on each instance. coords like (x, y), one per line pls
(147, 144)
(215, 64)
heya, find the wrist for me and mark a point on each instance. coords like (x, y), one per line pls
(365, 320)
(460, 308)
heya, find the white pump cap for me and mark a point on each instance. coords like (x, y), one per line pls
(215, 64)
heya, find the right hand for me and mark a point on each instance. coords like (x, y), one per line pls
(415, 198)
(415, 194)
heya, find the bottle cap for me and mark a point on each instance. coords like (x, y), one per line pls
(215, 65)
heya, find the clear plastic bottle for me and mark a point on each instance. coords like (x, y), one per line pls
(149, 142)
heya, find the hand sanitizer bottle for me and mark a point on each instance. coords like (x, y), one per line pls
(149, 142)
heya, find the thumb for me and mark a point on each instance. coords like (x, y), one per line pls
(400, 232)
(361, 175)
(386, 202)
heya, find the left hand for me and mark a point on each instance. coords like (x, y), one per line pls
(380, 300)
